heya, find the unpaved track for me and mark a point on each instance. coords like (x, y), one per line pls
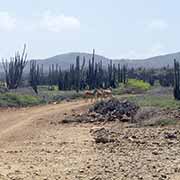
(33, 145)
(15, 120)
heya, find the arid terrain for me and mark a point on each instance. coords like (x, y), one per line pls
(34, 144)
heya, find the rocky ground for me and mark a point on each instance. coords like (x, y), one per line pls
(35, 144)
(137, 153)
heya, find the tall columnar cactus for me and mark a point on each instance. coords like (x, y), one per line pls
(119, 73)
(77, 84)
(176, 80)
(14, 69)
(83, 75)
(124, 78)
(34, 76)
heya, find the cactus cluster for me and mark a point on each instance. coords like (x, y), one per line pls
(14, 69)
(82, 75)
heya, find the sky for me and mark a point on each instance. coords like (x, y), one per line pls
(115, 28)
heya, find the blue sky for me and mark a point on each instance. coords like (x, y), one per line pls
(116, 28)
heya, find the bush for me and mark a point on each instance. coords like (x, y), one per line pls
(53, 88)
(15, 100)
(133, 86)
(138, 85)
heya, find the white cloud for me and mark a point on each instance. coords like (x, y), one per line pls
(157, 24)
(7, 22)
(59, 23)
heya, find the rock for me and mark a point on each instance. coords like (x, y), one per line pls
(114, 109)
(164, 176)
(177, 169)
(170, 136)
(102, 135)
(107, 110)
(155, 153)
(125, 118)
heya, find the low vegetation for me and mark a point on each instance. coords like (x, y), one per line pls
(156, 101)
(133, 86)
(16, 100)
(59, 84)
(138, 85)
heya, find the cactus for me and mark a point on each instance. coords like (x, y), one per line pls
(77, 74)
(34, 76)
(176, 80)
(14, 69)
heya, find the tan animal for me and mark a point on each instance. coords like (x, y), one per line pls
(89, 95)
(107, 93)
(99, 94)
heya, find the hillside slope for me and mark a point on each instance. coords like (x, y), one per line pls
(64, 60)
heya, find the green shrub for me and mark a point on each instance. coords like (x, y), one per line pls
(133, 86)
(138, 84)
(53, 88)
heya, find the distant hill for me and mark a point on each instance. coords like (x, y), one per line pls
(64, 60)
(153, 62)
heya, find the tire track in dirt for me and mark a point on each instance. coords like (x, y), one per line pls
(31, 148)
(16, 121)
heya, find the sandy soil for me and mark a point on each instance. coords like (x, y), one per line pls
(35, 145)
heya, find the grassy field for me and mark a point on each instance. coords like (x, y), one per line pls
(155, 101)
(17, 100)
(23, 97)
(154, 97)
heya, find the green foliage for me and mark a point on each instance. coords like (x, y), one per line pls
(53, 88)
(16, 100)
(138, 84)
(156, 101)
(133, 86)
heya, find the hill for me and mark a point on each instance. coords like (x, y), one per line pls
(64, 60)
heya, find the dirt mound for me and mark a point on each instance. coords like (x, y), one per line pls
(114, 109)
(108, 110)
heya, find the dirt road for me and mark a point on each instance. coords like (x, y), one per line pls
(27, 120)
(34, 145)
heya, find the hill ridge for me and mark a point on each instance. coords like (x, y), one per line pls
(65, 59)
